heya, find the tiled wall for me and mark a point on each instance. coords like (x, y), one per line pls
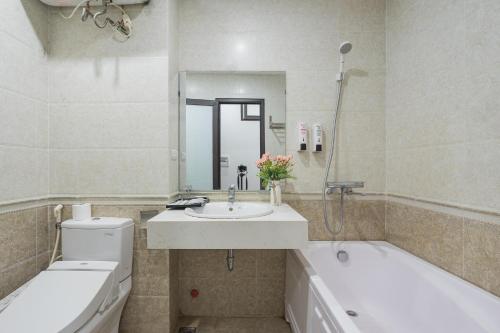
(466, 247)
(256, 286)
(173, 88)
(111, 136)
(364, 219)
(442, 119)
(302, 38)
(109, 105)
(23, 100)
(23, 140)
(442, 137)
(24, 247)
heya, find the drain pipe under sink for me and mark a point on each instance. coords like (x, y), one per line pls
(230, 260)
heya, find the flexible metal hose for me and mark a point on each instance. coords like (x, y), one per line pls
(331, 160)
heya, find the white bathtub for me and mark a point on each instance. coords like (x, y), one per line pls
(390, 290)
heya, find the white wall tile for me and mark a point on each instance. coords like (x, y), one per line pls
(109, 171)
(19, 114)
(117, 125)
(23, 71)
(442, 101)
(21, 168)
(106, 80)
(301, 38)
(361, 132)
(23, 100)
(481, 175)
(27, 21)
(111, 104)
(63, 171)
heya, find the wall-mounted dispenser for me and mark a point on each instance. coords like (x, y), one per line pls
(317, 134)
(302, 132)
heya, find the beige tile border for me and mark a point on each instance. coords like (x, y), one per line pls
(447, 208)
(104, 200)
(111, 200)
(15, 206)
(460, 211)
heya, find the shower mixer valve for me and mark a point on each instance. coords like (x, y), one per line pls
(345, 187)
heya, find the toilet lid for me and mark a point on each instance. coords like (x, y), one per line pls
(57, 302)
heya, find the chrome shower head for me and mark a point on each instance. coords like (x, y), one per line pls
(345, 47)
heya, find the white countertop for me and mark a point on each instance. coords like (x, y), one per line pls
(283, 213)
(173, 229)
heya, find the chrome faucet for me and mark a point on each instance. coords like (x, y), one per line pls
(231, 193)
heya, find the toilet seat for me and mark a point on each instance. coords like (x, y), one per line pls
(63, 298)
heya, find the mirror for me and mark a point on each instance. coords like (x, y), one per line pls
(227, 120)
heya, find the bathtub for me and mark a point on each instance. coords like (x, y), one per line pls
(388, 290)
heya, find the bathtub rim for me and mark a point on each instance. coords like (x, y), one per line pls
(438, 270)
(335, 312)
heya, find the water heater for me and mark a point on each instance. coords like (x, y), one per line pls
(73, 3)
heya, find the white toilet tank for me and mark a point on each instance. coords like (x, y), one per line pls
(100, 239)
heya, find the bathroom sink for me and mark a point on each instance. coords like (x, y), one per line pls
(249, 225)
(226, 210)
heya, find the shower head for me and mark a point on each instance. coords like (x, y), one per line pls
(345, 47)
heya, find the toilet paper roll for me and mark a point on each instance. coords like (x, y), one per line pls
(81, 212)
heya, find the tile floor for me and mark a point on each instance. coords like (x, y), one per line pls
(236, 325)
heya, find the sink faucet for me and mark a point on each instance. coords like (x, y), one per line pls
(231, 193)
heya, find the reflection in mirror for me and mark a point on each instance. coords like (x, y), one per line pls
(225, 126)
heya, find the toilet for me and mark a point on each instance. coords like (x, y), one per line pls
(87, 290)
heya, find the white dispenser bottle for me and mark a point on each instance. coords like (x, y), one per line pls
(302, 136)
(317, 133)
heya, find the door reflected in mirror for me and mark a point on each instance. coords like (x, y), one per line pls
(227, 121)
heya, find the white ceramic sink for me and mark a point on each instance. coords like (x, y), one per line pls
(226, 210)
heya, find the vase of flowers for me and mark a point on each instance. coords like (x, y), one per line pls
(275, 190)
(272, 170)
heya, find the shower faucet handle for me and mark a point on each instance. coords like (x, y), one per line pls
(344, 186)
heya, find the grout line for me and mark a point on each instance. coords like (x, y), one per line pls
(16, 145)
(463, 247)
(43, 52)
(106, 102)
(385, 220)
(442, 145)
(36, 239)
(117, 148)
(15, 92)
(17, 264)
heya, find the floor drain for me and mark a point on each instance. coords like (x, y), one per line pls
(352, 313)
(187, 330)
